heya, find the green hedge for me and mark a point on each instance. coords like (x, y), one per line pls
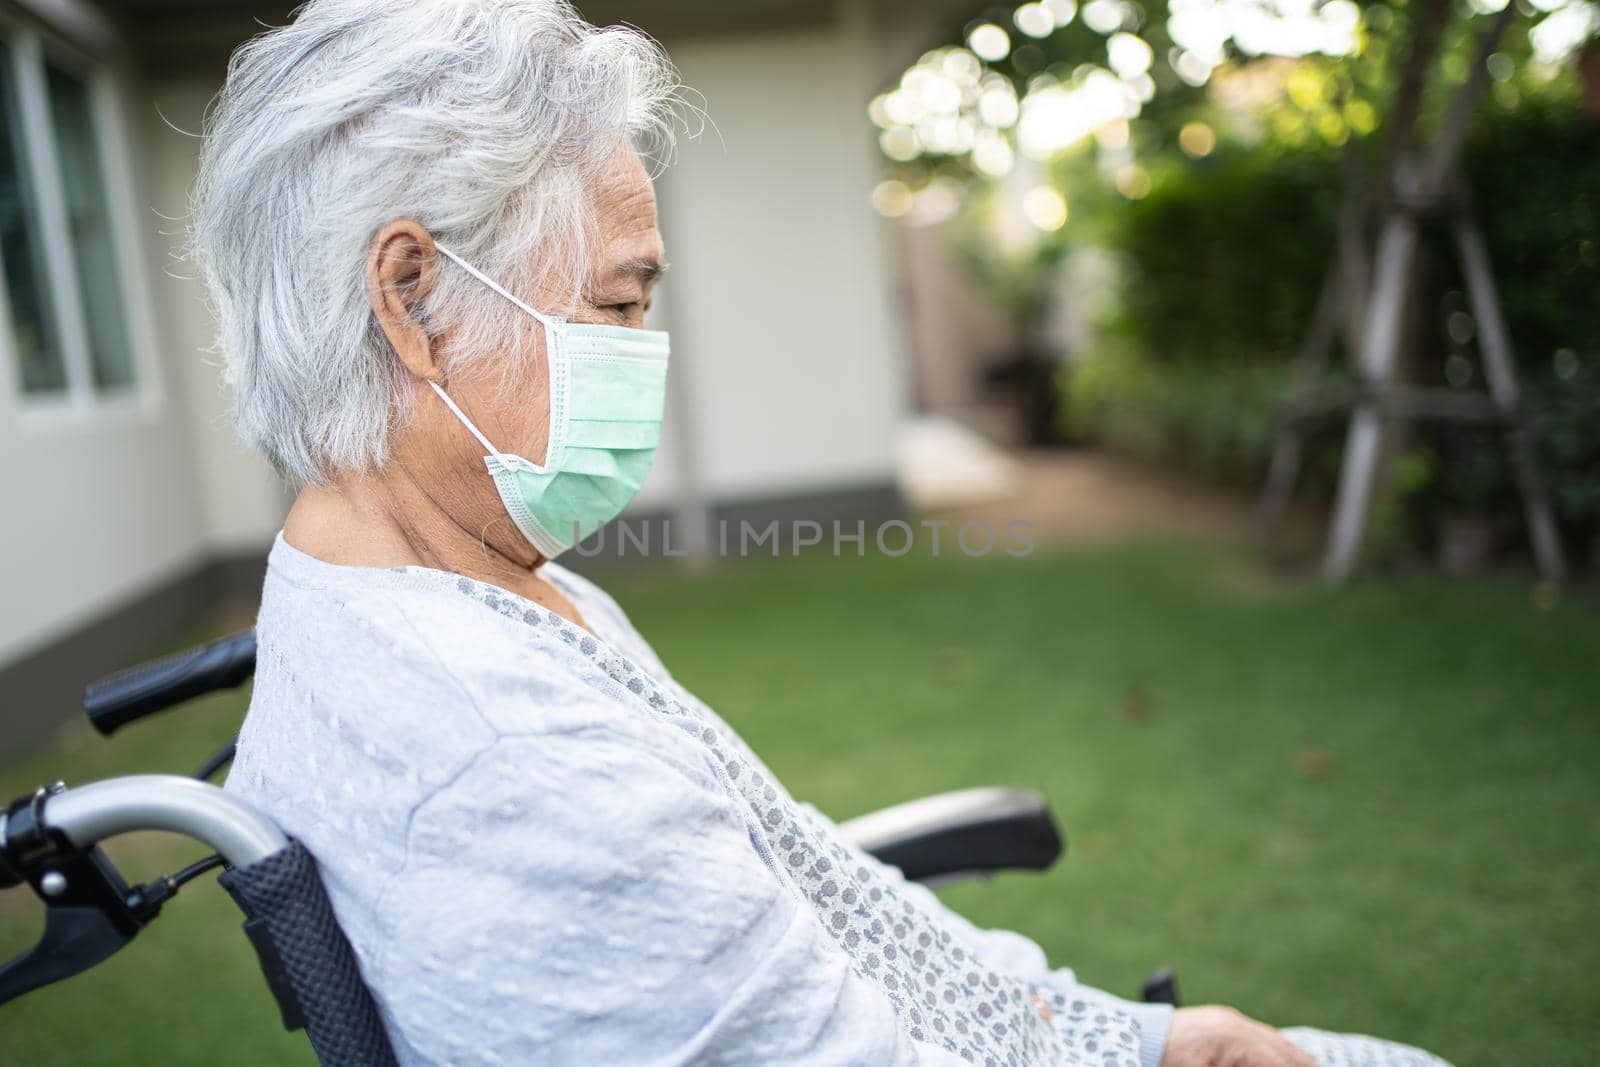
(1225, 259)
(1535, 177)
(1213, 420)
(1221, 267)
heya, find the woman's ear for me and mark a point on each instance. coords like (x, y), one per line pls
(401, 268)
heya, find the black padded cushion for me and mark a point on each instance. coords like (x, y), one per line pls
(283, 894)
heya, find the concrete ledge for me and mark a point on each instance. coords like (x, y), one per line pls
(735, 527)
(871, 502)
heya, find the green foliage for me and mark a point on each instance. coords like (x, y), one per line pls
(1226, 254)
(1211, 421)
(1226, 258)
(1566, 427)
(1223, 264)
(1534, 174)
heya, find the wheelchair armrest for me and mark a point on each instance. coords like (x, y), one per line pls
(966, 832)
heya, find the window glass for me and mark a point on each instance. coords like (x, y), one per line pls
(89, 226)
(34, 342)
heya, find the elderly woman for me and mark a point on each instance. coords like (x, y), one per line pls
(431, 243)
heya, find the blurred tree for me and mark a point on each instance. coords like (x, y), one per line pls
(1209, 141)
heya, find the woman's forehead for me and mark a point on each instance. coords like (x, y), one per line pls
(625, 207)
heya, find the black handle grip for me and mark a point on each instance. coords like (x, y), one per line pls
(151, 687)
(1025, 840)
(1161, 988)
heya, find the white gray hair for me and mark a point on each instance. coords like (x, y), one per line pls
(484, 120)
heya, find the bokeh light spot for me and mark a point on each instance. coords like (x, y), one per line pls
(1197, 140)
(1035, 20)
(1045, 208)
(989, 42)
(1133, 181)
(892, 199)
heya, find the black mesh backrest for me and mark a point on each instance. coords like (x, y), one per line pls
(307, 959)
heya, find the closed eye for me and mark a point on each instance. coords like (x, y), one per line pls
(631, 309)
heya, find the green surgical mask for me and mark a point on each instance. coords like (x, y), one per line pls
(608, 387)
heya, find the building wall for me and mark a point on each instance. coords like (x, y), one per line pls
(112, 503)
(242, 502)
(784, 338)
(99, 509)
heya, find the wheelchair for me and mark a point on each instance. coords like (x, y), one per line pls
(49, 839)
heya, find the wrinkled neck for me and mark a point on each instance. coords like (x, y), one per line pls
(389, 519)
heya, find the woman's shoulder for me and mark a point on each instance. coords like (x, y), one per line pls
(375, 695)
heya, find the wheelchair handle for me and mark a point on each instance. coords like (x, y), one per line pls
(143, 690)
(93, 812)
(49, 840)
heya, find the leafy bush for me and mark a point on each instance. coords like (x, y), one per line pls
(1226, 257)
(1534, 174)
(1223, 261)
(1565, 421)
(1215, 422)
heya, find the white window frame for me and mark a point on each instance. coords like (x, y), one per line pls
(81, 400)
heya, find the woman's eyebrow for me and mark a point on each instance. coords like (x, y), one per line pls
(645, 268)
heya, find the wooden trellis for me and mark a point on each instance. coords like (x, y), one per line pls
(1365, 298)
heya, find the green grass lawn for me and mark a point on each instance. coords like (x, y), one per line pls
(1373, 810)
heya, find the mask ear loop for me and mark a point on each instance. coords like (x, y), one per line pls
(451, 404)
(555, 337)
(548, 321)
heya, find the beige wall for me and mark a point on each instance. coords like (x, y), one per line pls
(97, 510)
(784, 334)
(242, 503)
